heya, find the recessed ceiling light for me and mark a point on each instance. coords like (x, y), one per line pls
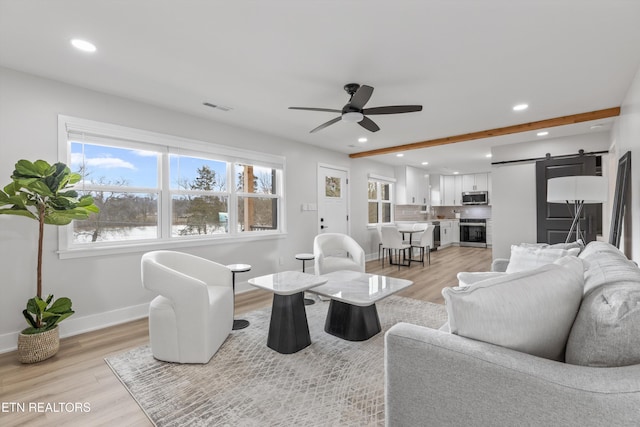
(520, 107)
(362, 140)
(598, 126)
(399, 155)
(543, 133)
(425, 163)
(83, 45)
(488, 155)
(456, 173)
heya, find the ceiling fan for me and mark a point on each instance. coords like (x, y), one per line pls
(354, 110)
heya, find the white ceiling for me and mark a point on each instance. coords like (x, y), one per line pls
(466, 61)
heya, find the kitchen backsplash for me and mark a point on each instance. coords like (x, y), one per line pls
(416, 213)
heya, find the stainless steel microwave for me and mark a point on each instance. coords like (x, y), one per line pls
(475, 198)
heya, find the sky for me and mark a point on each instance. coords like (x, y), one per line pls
(111, 165)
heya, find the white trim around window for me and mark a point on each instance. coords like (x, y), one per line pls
(379, 202)
(264, 204)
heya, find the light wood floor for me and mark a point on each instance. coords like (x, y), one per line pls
(78, 372)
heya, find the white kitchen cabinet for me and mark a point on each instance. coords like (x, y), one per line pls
(475, 182)
(489, 233)
(451, 190)
(412, 186)
(446, 233)
(455, 232)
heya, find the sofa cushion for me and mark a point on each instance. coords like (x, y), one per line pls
(531, 311)
(606, 332)
(530, 257)
(607, 265)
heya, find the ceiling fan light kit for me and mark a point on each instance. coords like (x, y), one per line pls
(352, 117)
(354, 111)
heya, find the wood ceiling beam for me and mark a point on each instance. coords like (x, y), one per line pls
(524, 127)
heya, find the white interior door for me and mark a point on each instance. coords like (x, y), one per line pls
(333, 199)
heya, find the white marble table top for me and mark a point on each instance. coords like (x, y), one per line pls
(287, 282)
(359, 289)
(305, 256)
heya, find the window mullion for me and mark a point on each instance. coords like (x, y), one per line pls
(165, 196)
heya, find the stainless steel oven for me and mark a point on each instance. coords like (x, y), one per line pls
(473, 232)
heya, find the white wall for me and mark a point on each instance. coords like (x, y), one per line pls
(513, 202)
(107, 290)
(626, 137)
(513, 207)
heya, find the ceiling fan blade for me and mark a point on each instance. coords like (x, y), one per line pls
(361, 97)
(324, 125)
(328, 110)
(392, 109)
(369, 124)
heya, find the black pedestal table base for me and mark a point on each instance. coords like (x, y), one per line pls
(352, 322)
(289, 330)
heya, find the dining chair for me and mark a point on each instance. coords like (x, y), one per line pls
(392, 241)
(379, 230)
(425, 244)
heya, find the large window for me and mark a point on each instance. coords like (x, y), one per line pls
(380, 197)
(153, 188)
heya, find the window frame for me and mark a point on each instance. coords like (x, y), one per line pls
(94, 132)
(379, 180)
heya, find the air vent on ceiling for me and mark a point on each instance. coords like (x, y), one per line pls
(219, 107)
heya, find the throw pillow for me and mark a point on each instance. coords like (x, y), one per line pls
(468, 278)
(531, 311)
(606, 332)
(530, 257)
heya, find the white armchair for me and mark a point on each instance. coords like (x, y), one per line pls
(193, 315)
(335, 251)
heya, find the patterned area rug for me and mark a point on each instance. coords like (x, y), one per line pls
(332, 382)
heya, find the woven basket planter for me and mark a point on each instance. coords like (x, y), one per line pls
(38, 347)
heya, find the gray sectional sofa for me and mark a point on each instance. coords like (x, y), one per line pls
(437, 378)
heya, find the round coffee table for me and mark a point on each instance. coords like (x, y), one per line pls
(238, 268)
(304, 257)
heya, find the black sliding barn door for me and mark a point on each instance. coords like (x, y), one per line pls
(554, 219)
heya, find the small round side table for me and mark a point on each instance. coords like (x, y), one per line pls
(238, 268)
(306, 257)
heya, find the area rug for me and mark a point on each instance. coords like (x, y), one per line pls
(332, 382)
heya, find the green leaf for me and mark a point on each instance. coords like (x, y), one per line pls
(42, 304)
(42, 167)
(18, 212)
(24, 168)
(10, 189)
(40, 187)
(74, 178)
(32, 307)
(60, 306)
(30, 320)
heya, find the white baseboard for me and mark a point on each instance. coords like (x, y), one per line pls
(80, 325)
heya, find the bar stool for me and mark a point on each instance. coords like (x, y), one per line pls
(238, 268)
(304, 257)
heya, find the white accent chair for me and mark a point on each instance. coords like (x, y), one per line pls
(193, 315)
(336, 251)
(425, 244)
(392, 241)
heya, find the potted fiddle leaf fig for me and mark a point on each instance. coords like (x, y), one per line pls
(43, 192)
